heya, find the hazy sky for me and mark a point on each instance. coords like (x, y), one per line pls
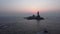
(29, 5)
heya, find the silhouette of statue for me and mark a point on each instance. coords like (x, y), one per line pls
(38, 16)
(38, 13)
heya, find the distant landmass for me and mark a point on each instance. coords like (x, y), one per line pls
(33, 17)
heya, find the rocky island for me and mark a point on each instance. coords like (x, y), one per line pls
(38, 17)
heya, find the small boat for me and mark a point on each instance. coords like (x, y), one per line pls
(42, 32)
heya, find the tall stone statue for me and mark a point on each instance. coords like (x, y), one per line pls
(38, 16)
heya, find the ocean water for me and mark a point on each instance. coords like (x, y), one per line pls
(19, 25)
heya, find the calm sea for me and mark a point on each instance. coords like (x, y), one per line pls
(19, 25)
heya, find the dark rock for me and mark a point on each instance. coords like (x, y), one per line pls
(35, 17)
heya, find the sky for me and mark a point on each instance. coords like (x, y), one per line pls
(29, 5)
